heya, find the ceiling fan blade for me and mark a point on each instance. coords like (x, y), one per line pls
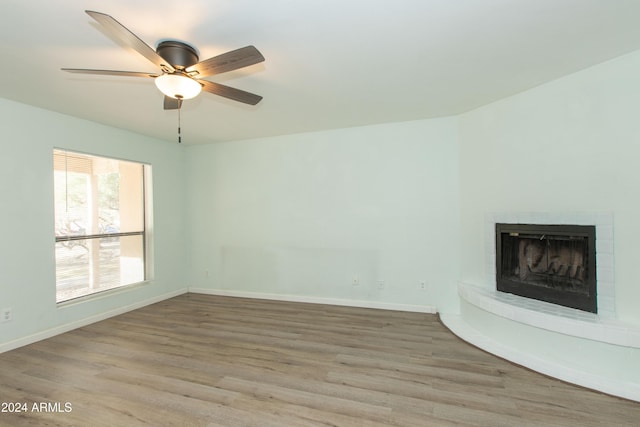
(119, 32)
(109, 72)
(229, 61)
(230, 93)
(172, 103)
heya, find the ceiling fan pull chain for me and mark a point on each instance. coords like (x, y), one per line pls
(179, 130)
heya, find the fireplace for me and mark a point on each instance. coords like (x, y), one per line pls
(552, 263)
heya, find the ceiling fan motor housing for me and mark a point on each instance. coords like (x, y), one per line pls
(179, 55)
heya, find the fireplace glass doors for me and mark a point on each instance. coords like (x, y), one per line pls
(552, 263)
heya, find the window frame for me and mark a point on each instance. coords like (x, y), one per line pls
(144, 233)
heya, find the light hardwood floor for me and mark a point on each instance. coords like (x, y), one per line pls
(205, 360)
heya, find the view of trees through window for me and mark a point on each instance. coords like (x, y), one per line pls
(99, 224)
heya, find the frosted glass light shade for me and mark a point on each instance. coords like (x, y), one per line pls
(178, 86)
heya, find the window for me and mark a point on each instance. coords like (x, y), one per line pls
(100, 223)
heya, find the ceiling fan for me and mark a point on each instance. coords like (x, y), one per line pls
(181, 71)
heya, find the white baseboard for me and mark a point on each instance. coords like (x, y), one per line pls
(318, 300)
(86, 321)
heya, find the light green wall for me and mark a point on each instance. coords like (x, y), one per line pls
(27, 270)
(572, 145)
(304, 214)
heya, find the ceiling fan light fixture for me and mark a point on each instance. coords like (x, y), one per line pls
(178, 86)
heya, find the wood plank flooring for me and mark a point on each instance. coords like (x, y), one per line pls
(200, 360)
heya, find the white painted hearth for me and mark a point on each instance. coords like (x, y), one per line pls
(593, 350)
(551, 317)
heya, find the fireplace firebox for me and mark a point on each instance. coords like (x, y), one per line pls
(552, 263)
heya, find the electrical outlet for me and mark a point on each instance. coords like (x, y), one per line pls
(355, 281)
(6, 315)
(422, 285)
(381, 284)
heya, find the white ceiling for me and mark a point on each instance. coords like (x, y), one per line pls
(329, 63)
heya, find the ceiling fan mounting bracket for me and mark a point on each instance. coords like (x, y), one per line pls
(180, 55)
